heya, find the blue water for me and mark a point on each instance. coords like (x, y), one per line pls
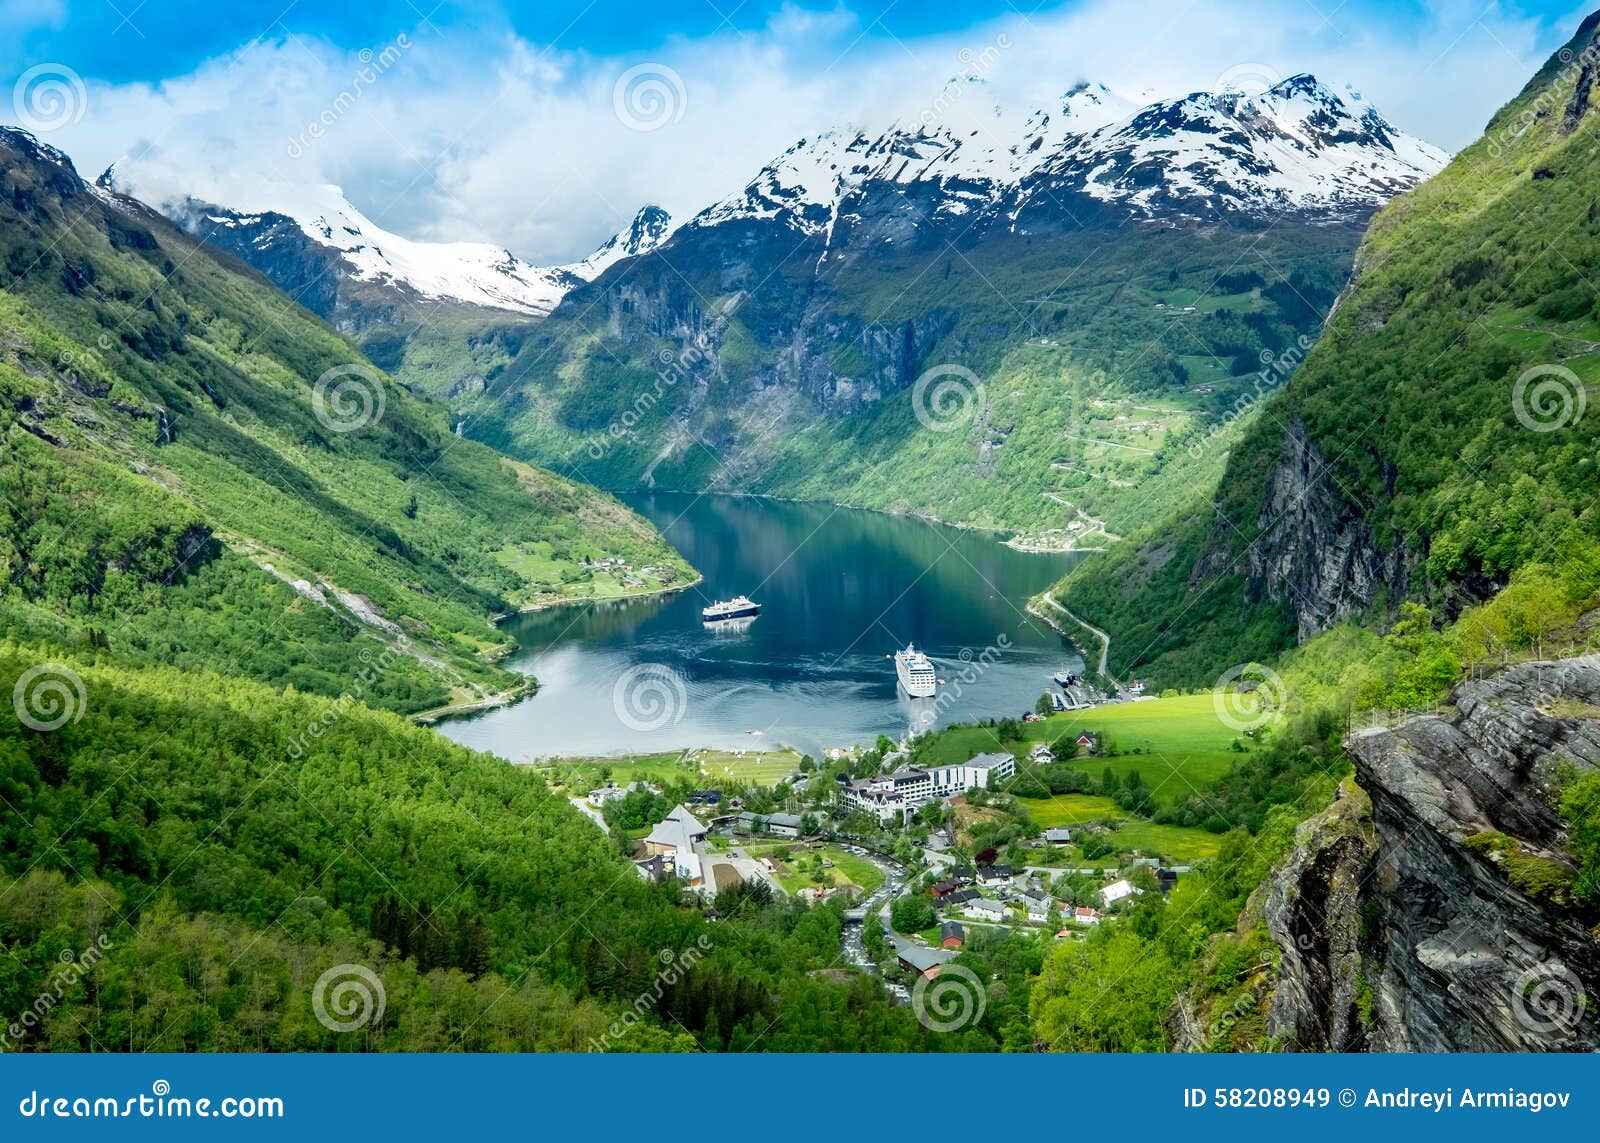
(840, 591)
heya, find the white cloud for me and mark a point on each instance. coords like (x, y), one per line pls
(493, 138)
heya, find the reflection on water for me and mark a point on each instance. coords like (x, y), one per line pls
(840, 590)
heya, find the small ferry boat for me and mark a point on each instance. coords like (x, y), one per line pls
(916, 672)
(1064, 678)
(739, 607)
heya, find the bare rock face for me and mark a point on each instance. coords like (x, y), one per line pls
(1445, 926)
(1317, 552)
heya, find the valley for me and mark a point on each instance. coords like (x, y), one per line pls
(1228, 455)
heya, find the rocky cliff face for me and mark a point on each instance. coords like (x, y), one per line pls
(1316, 552)
(1438, 920)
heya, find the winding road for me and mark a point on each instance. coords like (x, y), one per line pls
(1105, 640)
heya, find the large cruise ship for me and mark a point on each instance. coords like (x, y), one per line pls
(738, 607)
(916, 673)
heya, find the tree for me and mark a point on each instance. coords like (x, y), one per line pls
(912, 913)
(1045, 705)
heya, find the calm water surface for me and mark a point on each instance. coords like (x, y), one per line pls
(840, 590)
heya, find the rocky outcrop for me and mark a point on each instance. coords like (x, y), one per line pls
(1316, 552)
(1449, 927)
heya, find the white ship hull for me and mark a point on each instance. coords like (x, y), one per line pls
(917, 676)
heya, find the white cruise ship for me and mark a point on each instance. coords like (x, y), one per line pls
(739, 607)
(916, 673)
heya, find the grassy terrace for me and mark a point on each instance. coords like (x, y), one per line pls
(1183, 745)
(803, 868)
(753, 767)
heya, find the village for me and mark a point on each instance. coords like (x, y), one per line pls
(921, 856)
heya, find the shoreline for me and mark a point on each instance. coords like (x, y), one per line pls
(574, 601)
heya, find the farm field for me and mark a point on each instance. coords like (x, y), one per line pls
(1179, 843)
(1184, 745)
(753, 767)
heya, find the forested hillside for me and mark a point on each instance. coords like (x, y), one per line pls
(1436, 445)
(200, 473)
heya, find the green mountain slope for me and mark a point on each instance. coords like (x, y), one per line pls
(198, 472)
(1437, 439)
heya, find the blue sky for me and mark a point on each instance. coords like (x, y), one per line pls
(120, 40)
(497, 121)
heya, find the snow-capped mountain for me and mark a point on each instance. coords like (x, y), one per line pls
(310, 239)
(970, 165)
(1299, 146)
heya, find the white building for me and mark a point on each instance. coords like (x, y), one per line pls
(679, 836)
(1116, 891)
(889, 797)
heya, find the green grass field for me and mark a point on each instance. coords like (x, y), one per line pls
(1179, 843)
(794, 874)
(752, 767)
(1186, 747)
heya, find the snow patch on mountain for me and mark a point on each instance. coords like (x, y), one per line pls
(477, 273)
(1297, 146)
